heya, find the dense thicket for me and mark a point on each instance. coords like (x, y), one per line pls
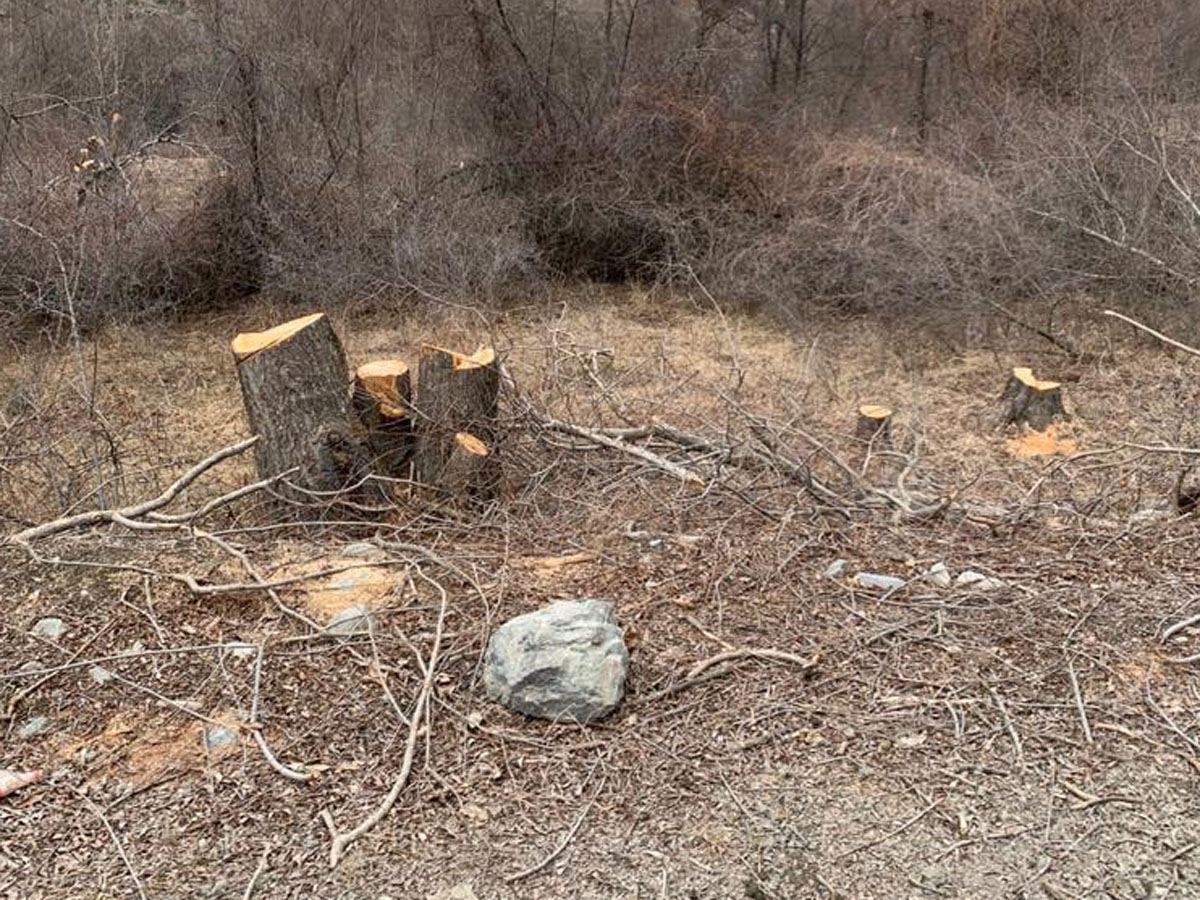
(863, 154)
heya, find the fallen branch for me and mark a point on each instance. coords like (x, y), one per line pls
(342, 840)
(1150, 331)
(99, 814)
(562, 845)
(704, 670)
(599, 437)
(128, 514)
(750, 653)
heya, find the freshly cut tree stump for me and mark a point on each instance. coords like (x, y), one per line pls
(1032, 402)
(467, 469)
(295, 387)
(456, 395)
(874, 424)
(383, 401)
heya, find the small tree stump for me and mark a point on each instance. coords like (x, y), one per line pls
(382, 399)
(1032, 402)
(456, 395)
(295, 388)
(466, 471)
(874, 424)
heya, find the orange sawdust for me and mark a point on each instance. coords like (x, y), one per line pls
(1030, 444)
(142, 750)
(327, 595)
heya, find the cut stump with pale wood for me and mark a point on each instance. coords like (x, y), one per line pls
(296, 390)
(874, 424)
(1029, 401)
(382, 399)
(457, 400)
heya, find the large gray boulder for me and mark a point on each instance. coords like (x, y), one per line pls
(566, 662)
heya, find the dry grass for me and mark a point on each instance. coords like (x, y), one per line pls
(936, 750)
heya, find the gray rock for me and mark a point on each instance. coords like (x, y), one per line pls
(462, 891)
(881, 582)
(49, 628)
(938, 575)
(836, 569)
(241, 650)
(356, 619)
(100, 675)
(565, 662)
(34, 727)
(219, 736)
(977, 581)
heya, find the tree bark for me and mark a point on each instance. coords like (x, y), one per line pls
(456, 394)
(295, 386)
(1032, 402)
(382, 400)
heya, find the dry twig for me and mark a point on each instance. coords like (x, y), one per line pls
(342, 840)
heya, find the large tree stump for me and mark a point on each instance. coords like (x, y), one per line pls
(457, 395)
(296, 390)
(383, 401)
(874, 424)
(1032, 402)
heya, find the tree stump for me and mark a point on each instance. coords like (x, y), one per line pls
(457, 397)
(295, 387)
(874, 424)
(1032, 402)
(466, 470)
(382, 399)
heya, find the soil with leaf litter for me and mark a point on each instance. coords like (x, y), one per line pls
(1038, 739)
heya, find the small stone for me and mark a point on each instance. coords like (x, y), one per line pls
(50, 628)
(359, 549)
(135, 648)
(356, 619)
(565, 662)
(34, 727)
(835, 569)
(881, 582)
(219, 736)
(100, 675)
(241, 650)
(461, 891)
(938, 575)
(977, 581)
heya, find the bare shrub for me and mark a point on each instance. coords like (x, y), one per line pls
(865, 226)
(1113, 188)
(128, 238)
(662, 178)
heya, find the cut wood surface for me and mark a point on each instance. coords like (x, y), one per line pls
(455, 414)
(874, 424)
(383, 402)
(295, 387)
(1030, 401)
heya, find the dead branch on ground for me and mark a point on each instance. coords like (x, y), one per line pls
(342, 840)
(128, 516)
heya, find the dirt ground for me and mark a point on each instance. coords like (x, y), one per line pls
(1035, 739)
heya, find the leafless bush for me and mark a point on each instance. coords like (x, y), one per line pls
(1114, 188)
(130, 238)
(871, 227)
(869, 154)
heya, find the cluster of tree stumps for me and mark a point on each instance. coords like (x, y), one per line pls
(330, 434)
